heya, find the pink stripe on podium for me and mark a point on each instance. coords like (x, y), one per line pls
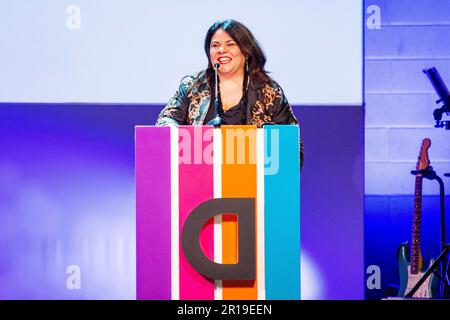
(153, 217)
(196, 185)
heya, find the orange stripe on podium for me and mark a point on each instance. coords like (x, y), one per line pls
(238, 181)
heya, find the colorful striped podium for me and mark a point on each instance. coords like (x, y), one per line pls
(180, 169)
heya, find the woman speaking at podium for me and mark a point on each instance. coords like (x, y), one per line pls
(233, 90)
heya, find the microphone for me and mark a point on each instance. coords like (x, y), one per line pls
(438, 84)
(217, 120)
(441, 90)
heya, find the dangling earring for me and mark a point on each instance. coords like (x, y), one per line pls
(246, 65)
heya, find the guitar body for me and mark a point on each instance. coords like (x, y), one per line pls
(408, 280)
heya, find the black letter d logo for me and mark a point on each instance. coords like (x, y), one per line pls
(244, 208)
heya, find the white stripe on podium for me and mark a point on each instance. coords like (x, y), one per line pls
(217, 138)
(175, 215)
(260, 152)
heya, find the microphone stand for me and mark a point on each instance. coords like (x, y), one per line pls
(217, 120)
(437, 114)
(430, 174)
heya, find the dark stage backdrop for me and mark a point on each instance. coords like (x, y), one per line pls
(67, 200)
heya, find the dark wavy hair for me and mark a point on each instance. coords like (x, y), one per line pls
(246, 42)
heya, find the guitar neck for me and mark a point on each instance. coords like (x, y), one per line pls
(415, 246)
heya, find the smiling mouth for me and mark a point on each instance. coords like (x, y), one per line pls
(224, 60)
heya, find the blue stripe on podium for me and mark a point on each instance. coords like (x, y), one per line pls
(282, 212)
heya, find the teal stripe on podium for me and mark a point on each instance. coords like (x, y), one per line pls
(282, 212)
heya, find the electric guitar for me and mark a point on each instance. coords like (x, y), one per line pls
(411, 270)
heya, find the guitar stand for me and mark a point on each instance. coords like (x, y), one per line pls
(430, 174)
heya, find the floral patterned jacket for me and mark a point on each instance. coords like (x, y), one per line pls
(267, 104)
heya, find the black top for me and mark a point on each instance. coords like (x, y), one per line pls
(236, 115)
(233, 116)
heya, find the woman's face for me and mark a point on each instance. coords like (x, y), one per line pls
(224, 50)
